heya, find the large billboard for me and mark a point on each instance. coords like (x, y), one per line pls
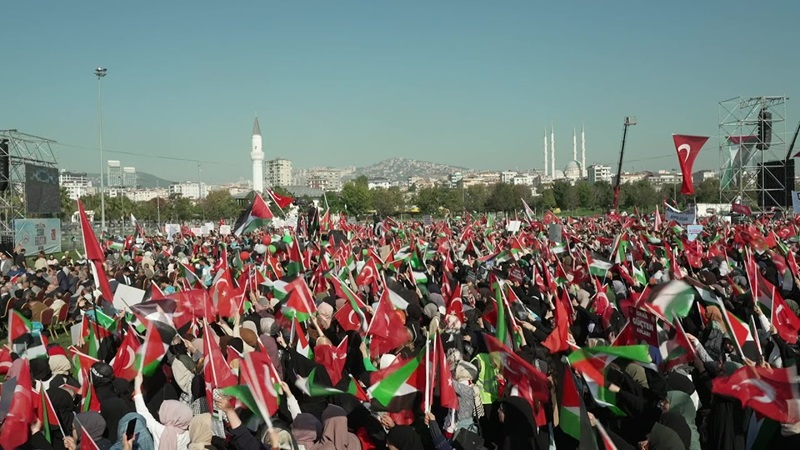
(38, 234)
(42, 195)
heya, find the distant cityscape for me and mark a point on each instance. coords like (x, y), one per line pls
(401, 173)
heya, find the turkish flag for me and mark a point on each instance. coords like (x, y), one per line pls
(771, 392)
(688, 147)
(348, 318)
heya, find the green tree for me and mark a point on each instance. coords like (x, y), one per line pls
(452, 199)
(586, 194)
(427, 200)
(475, 197)
(503, 197)
(603, 195)
(356, 195)
(388, 201)
(219, 204)
(546, 201)
(68, 206)
(640, 194)
(708, 191)
(566, 195)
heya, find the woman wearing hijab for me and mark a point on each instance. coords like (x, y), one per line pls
(307, 430)
(403, 437)
(681, 403)
(95, 426)
(62, 371)
(143, 440)
(200, 433)
(519, 428)
(335, 432)
(172, 432)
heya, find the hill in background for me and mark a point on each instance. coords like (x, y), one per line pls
(400, 169)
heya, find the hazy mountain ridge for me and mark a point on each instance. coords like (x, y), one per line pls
(400, 169)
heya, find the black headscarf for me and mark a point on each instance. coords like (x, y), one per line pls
(677, 423)
(404, 438)
(663, 438)
(518, 425)
(40, 369)
(62, 405)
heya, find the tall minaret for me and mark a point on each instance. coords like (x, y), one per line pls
(257, 157)
(574, 145)
(584, 171)
(545, 152)
(552, 151)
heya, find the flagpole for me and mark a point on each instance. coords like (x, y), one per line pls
(428, 375)
(50, 404)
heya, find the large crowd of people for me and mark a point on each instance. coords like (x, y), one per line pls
(469, 332)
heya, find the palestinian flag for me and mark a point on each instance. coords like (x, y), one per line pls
(300, 304)
(310, 386)
(639, 275)
(573, 417)
(597, 267)
(254, 217)
(154, 348)
(396, 383)
(107, 322)
(82, 362)
(280, 289)
(47, 414)
(678, 350)
(302, 346)
(592, 364)
(18, 325)
(672, 301)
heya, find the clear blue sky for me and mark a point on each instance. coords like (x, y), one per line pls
(339, 82)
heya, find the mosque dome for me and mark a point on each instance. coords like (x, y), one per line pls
(573, 170)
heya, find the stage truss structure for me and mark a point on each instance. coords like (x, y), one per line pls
(744, 155)
(23, 149)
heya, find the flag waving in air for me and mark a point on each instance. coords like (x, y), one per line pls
(254, 217)
(688, 147)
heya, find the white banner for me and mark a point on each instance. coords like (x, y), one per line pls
(796, 201)
(685, 217)
(36, 235)
(224, 230)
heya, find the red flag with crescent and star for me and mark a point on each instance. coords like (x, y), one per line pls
(688, 147)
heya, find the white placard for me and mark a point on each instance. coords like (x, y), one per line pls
(197, 231)
(513, 226)
(209, 226)
(224, 230)
(127, 296)
(693, 231)
(75, 333)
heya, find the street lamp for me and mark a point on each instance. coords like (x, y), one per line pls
(100, 72)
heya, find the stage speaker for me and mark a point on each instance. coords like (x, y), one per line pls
(764, 129)
(776, 183)
(5, 160)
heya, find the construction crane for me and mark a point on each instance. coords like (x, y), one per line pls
(629, 121)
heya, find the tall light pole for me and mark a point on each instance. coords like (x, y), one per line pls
(100, 72)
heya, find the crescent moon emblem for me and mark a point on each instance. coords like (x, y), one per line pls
(688, 149)
(350, 318)
(131, 355)
(769, 391)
